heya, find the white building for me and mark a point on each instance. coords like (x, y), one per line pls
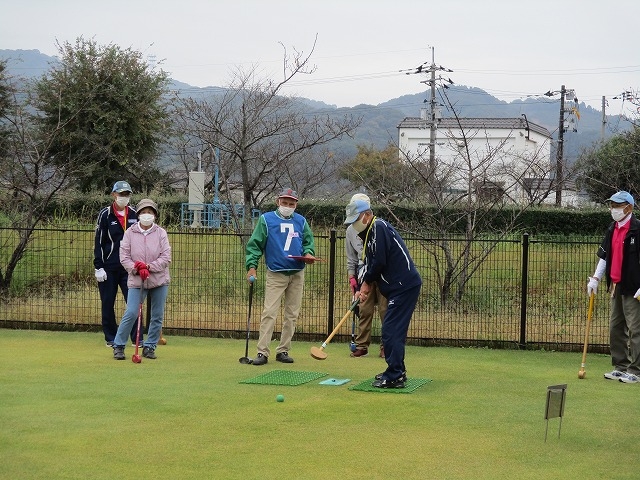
(505, 157)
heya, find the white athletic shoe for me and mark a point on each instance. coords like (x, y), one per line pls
(614, 375)
(629, 378)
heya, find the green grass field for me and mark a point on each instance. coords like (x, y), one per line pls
(68, 410)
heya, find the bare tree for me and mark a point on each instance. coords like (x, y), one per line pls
(266, 139)
(29, 180)
(483, 183)
(462, 195)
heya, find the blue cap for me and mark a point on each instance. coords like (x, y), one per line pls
(621, 197)
(121, 186)
(354, 209)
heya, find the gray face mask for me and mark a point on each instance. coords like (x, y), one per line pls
(122, 201)
(359, 226)
(286, 211)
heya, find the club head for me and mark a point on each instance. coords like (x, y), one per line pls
(245, 360)
(318, 353)
(352, 347)
(136, 359)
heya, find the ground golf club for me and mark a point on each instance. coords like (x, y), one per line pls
(319, 353)
(136, 358)
(246, 359)
(352, 344)
(582, 373)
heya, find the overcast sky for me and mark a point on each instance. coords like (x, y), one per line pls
(510, 48)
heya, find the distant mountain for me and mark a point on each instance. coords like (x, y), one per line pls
(26, 63)
(379, 122)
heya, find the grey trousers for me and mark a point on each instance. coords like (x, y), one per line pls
(365, 320)
(624, 333)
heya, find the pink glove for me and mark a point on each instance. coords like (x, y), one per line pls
(354, 284)
(144, 274)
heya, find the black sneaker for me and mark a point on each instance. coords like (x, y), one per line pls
(110, 344)
(388, 383)
(403, 377)
(260, 359)
(284, 357)
(118, 353)
(148, 352)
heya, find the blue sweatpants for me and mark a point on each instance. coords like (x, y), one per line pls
(400, 307)
(157, 297)
(108, 293)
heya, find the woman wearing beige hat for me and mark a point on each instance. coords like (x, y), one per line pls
(145, 253)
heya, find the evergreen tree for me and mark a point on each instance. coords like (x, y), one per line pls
(612, 166)
(111, 113)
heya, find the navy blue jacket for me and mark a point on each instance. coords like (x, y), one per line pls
(387, 260)
(109, 233)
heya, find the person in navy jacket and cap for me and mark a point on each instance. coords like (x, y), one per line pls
(619, 263)
(387, 262)
(112, 222)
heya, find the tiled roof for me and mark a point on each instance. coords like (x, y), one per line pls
(476, 123)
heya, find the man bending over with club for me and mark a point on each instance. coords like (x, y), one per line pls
(387, 261)
(619, 262)
(365, 309)
(279, 235)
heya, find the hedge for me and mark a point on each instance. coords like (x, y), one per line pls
(535, 221)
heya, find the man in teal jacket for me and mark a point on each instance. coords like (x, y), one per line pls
(279, 236)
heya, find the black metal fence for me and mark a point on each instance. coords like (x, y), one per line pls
(528, 293)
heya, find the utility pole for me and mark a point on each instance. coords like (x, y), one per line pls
(559, 155)
(604, 119)
(432, 112)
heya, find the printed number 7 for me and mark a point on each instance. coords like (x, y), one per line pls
(288, 229)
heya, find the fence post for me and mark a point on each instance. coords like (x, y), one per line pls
(332, 279)
(523, 294)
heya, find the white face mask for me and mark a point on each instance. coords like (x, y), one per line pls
(618, 214)
(286, 211)
(122, 201)
(146, 219)
(359, 226)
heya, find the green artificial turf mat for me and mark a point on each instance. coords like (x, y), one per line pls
(284, 377)
(411, 385)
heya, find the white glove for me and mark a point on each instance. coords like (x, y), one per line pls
(101, 275)
(592, 286)
(637, 294)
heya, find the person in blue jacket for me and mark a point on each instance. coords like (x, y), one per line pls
(112, 222)
(387, 261)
